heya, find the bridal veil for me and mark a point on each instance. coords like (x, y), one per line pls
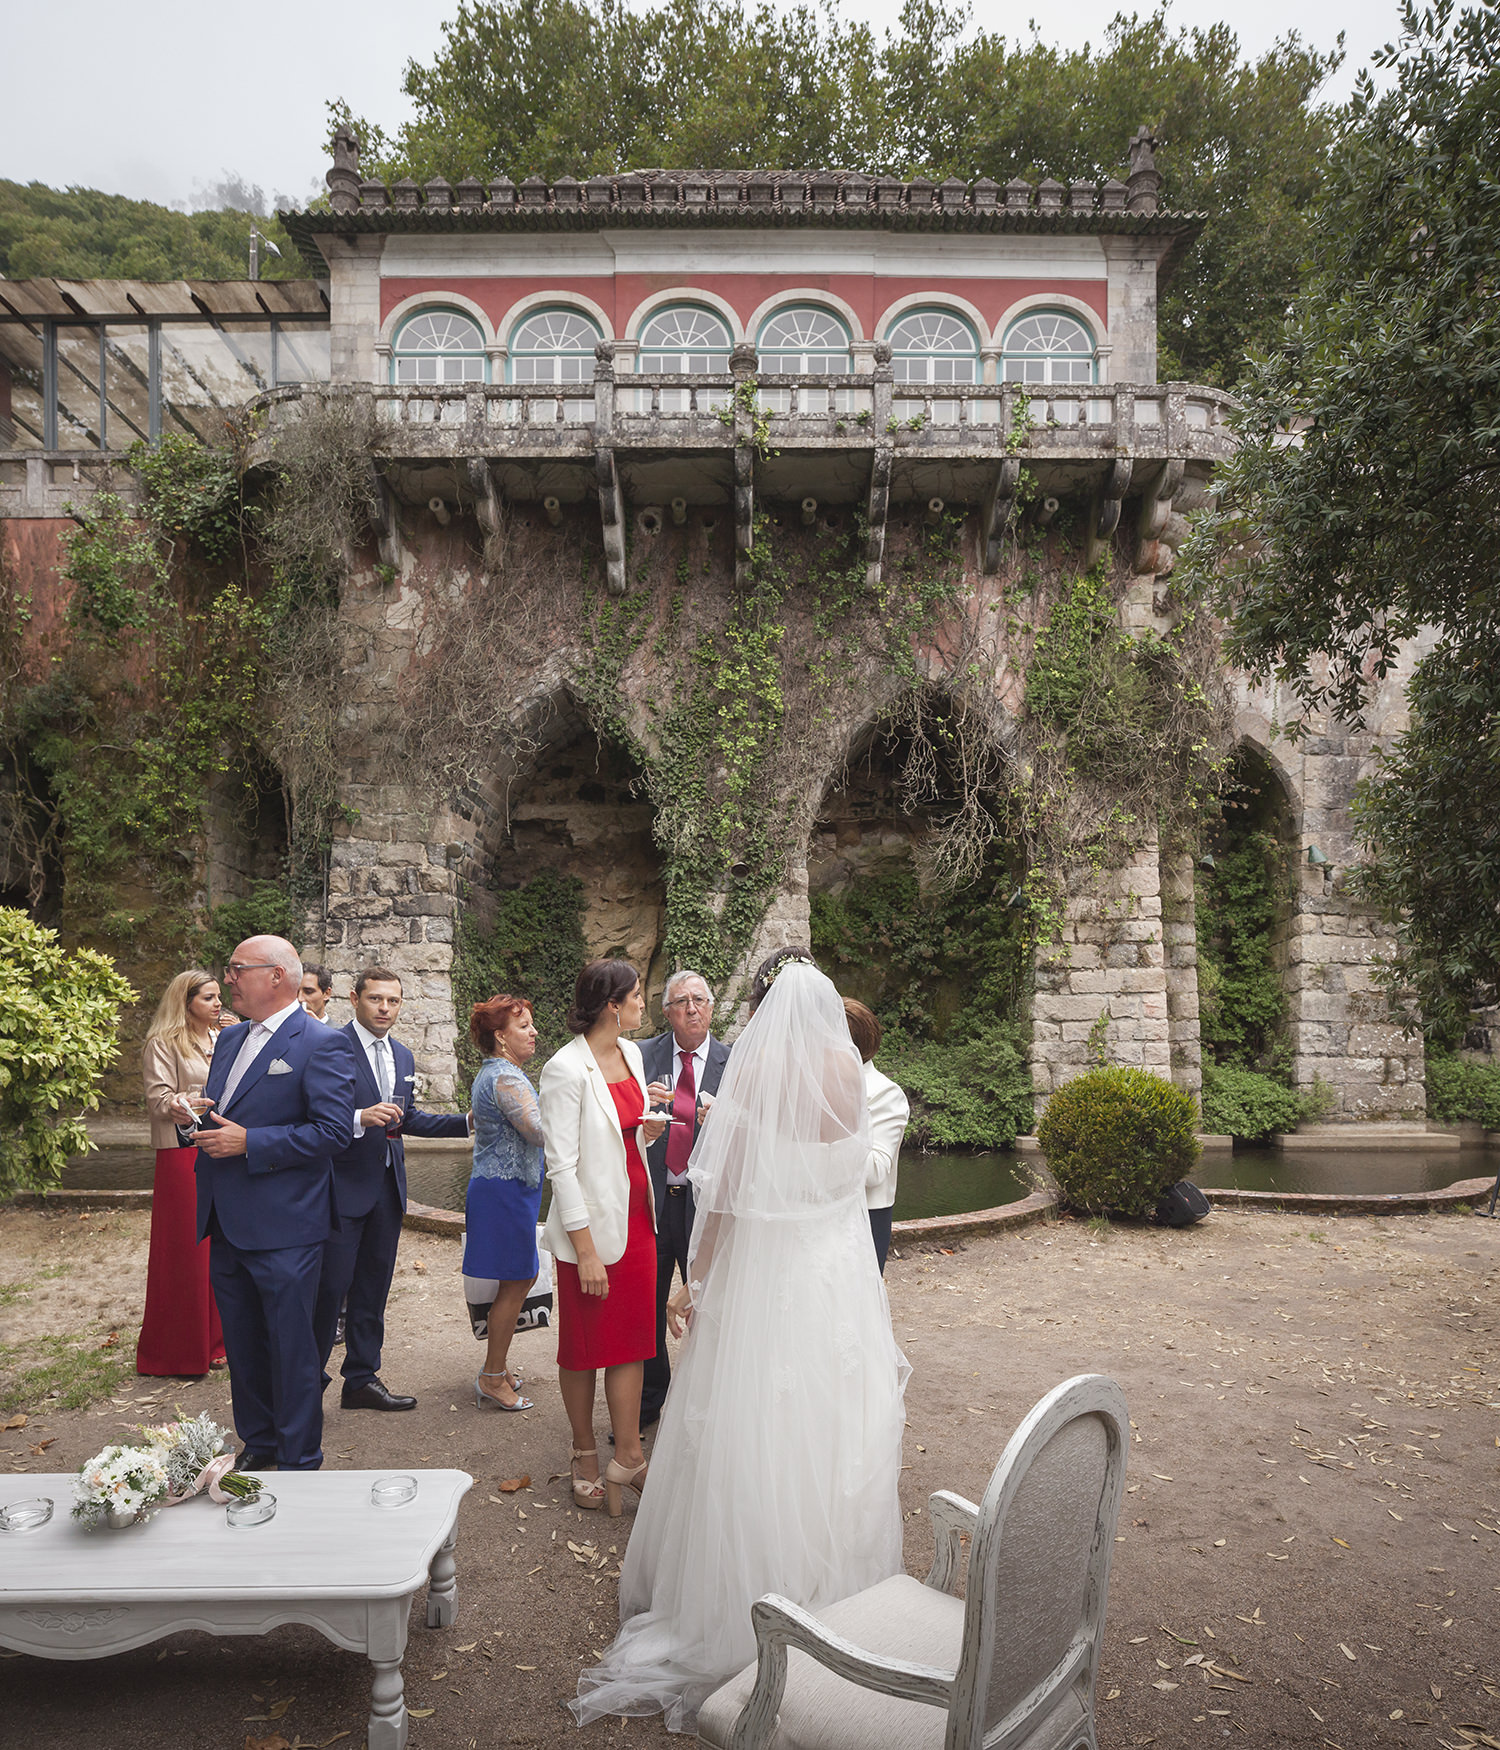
(779, 1452)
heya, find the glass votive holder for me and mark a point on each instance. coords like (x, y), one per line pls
(253, 1510)
(393, 1491)
(29, 1515)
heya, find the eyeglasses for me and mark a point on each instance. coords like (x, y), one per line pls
(236, 967)
(690, 1003)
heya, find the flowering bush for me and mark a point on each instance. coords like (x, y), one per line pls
(121, 1479)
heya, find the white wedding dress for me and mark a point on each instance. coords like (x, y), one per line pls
(779, 1452)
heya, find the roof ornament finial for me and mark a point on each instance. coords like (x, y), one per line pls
(343, 179)
(1144, 181)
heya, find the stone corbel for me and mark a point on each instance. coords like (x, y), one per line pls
(612, 518)
(881, 459)
(384, 520)
(742, 363)
(487, 504)
(999, 506)
(1153, 555)
(1112, 496)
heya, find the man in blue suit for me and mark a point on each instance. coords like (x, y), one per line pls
(369, 1175)
(681, 1067)
(282, 1089)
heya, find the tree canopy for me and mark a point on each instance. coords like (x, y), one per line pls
(79, 233)
(543, 87)
(1360, 511)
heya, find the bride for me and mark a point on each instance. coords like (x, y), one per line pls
(779, 1453)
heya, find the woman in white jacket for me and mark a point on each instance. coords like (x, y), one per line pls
(889, 1112)
(601, 1227)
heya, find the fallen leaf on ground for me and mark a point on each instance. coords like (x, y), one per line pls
(16, 1422)
(468, 1649)
(274, 1742)
(511, 1484)
(1340, 1542)
(42, 1445)
(421, 1713)
(1345, 1651)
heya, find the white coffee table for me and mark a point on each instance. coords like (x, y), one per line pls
(328, 1559)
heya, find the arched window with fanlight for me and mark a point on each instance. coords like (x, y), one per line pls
(438, 346)
(804, 341)
(933, 346)
(553, 346)
(685, 340)
(1049, 346)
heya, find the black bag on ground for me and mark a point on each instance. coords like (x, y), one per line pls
(1182, 1205)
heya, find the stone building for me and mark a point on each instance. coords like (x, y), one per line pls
(572, 353)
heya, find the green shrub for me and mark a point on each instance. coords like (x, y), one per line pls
(1116, 1139)
(1247, 1105)
(267, 910)
(1459, 1089)
(970, 1093)
(59, 1023)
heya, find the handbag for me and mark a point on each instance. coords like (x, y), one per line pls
(536, 1309)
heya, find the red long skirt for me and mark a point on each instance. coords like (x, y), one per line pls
(180, 1331)
(619, 1327)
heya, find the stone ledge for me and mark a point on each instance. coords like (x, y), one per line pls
(1465, 1192)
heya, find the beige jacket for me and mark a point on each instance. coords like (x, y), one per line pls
(586, 1152)
(168, 1071)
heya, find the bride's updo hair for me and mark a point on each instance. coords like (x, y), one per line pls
(601, 983)
(765, 973)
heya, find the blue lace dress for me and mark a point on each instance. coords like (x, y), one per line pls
(505, 1188)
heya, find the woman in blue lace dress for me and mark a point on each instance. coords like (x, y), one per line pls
(505, 1189)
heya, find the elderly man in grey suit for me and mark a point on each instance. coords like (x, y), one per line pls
(681, 1067)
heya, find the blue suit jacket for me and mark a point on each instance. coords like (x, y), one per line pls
(658, 1057)
(359, 1168)
(280, 1191)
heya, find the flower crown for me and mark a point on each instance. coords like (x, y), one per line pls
(781, 966)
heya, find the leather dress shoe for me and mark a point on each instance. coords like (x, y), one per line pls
(374, 1396)
(255, 1461)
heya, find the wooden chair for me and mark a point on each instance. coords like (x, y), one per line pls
(909, 1666)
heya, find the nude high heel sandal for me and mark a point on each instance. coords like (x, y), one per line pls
(617, 1479)
(588, 1493)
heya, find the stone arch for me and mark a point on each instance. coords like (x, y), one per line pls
(571, 806)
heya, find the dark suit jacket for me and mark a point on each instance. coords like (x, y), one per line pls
(359, 1168)
(297, 1117)
(659, 1060)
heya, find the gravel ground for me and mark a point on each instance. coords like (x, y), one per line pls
(1307, 1554)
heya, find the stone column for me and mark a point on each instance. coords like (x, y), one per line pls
(353, 306)
(1179, 930)
(1108, 968)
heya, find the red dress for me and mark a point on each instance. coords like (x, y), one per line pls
(610, 1330)
(180, 1330)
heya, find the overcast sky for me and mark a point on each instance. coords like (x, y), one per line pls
(160, 99)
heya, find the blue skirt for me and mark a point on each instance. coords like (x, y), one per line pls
(500, 1229)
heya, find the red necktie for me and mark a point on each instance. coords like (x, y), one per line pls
(684, 1110)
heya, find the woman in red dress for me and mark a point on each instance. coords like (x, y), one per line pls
(601, 1227)
(180, 1330)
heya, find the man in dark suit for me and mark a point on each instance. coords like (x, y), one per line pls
(282, 1089)
(370, 1184)
(681, 1067)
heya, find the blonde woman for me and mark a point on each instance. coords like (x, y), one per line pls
(180, 1331)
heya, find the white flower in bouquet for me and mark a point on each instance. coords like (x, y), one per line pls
(188, 1447)
(121, 1479)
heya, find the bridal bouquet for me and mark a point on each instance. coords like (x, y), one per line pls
(172, 1464)
(119, 1484)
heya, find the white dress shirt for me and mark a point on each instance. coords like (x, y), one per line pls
(260, 1035)
(375, 1049)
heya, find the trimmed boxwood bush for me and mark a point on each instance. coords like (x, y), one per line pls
(1460, 1088)
(1116, 1139)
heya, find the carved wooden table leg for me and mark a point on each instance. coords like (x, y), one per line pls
(443, 1592)
(388, 1724)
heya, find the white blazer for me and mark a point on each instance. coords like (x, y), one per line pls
(889, 1111)
(586, 1152)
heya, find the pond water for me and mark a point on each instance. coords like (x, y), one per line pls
(947, 1183)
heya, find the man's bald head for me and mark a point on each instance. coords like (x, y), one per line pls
(263, 976)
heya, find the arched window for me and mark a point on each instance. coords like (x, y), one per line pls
(1048, 347)
(804, 341)
(553, 346)
(930, 346)
(438, 346)
(685, 339)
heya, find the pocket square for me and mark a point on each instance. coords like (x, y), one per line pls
(408, 1078)
(277, 1068)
